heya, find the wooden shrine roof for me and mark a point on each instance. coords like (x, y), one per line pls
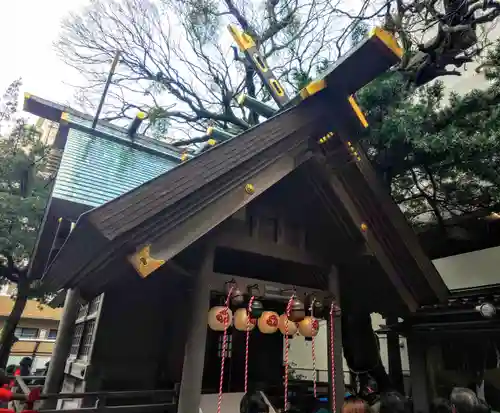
(182, 205)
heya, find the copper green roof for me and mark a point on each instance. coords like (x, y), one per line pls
(95, 169)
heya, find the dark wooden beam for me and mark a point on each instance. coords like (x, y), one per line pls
(243, 242)
(371, 239)
(199, 224)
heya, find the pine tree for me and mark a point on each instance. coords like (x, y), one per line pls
(23, 196)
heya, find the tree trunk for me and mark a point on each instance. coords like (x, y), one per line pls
(7, 335)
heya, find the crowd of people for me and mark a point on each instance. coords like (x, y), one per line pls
(461, 400)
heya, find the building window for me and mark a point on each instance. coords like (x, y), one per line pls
(77, 336)
(88, 335)
(94, 305)
(27, 333)
(229, 346)
(83, 337)
(52, 334)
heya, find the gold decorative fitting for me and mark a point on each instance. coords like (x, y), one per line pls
(388, 40)
(243, 40)
(358, 111)
(141, 116)
(325, 138)
(184, 157)
(241, 99)
(363, 227)
(65, 116)
(144, 263)
(27, 95)
(211, 142)
(249, 189)
(210, 130)
(312, 88)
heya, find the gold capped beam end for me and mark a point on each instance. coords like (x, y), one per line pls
(141, 115)
(241, 99)
(388, 39)
(243, 40)
(144, 263)
(27, 95)
(210, 130)
(211, 142)
(312, 88)
(65, 116)
(357, 110)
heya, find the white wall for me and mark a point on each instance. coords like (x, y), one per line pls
(300, 354)
(473, 269)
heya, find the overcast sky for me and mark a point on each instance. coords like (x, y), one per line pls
(27, 30)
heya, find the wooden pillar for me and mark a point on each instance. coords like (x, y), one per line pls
(333, 287)
(394, 356)
(62, 346)
(418, 371)
(194, 353)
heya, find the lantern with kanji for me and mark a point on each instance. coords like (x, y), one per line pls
(268, 322)
(286, 326)
(242, 321)
(309, 327)
(219, 318)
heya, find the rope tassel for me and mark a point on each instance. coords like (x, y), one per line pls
(333, 309)
(223, 352)
(288, 310)
(313, 351)
(247, 341)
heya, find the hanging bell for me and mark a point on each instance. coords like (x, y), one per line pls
(297, 311)
(314, 305)
(256, 309)
(237, 298)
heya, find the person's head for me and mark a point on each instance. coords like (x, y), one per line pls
(393, 402)
(253, 403)
(441, 405)
(464, 400)
(11, 369)
(356, 406)
(26, 362)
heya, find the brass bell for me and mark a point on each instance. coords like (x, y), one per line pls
(315, 306)
(318, 309)
(256, 309)
(237, 298)
(297, 311)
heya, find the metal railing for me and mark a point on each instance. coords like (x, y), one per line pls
(160, 400)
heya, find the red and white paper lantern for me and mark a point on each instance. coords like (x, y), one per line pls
(268, 322)
(241, 320)
(291, 327)
(219, 318)
(309, 327)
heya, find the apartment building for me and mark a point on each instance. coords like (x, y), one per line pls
(36, 332)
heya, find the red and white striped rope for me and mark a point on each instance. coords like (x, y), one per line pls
(288, 310)
(333, 308)
(223, 352)
(313, 351)
(248, 341)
